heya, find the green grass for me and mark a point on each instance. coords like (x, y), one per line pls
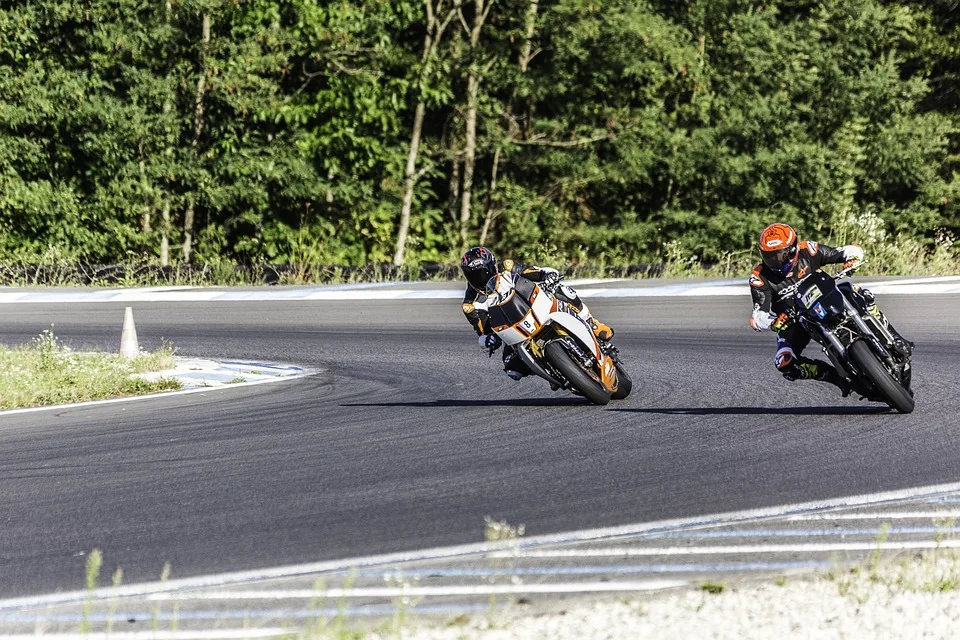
(712, 587)
(46, 372)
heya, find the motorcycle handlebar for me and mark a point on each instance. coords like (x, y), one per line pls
(843, 273)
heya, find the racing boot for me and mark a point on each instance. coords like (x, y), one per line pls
(818, 370)
(515, 367)
(603, 332)
(901, 344)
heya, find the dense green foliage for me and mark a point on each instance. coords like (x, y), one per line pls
(609, 131)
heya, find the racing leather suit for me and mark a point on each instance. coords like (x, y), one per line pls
(474, 308)
(766, 286)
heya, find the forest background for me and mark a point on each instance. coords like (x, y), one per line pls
(583, 132)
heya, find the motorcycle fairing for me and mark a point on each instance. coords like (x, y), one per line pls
(521, 312)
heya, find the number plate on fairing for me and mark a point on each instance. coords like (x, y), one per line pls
(811, 295)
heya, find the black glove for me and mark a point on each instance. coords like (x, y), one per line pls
(551, 281)
(491, 343)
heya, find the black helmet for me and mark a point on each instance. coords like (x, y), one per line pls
(478, 265)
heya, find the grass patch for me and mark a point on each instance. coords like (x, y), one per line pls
(712, 587)
(46, 372)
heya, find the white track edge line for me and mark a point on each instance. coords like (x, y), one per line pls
(222, 634)
(893, 515)
(306, 373)
(722, 287)
(396, 592)
(812, 547)
(289, 571)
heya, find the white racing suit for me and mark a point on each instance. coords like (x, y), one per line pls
(475, 309)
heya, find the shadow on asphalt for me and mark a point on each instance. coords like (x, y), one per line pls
(517, 402)
(774, 411)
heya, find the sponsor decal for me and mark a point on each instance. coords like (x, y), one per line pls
(771, 244)
(755, 280)
(803, 271)
(813, 248)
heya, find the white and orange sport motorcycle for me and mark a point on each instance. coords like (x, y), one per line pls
(553, 340)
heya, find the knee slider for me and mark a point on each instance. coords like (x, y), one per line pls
(787, 365)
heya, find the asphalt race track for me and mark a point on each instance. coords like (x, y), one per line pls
(411, 435)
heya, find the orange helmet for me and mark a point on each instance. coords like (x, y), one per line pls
(778, 248)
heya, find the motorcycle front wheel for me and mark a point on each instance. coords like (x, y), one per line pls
(624, 384)
(575, 375)
(867, 361)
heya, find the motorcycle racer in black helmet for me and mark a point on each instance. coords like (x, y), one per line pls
(479, 265)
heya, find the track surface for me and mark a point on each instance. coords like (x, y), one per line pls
(412, 436)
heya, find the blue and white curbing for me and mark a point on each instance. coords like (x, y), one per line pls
(197, 373)
(424, 291)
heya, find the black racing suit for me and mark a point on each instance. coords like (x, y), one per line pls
(478, 317)
(766, 286)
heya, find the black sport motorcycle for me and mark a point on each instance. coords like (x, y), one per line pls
(863, 347)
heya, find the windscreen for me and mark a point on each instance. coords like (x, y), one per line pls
(509, 312)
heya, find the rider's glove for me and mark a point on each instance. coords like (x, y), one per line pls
(852, 256)
(782, 322)
(551, 281)
(491, 343)
(761, 320)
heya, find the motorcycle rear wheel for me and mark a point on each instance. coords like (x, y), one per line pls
(575, 375)
(867, 361)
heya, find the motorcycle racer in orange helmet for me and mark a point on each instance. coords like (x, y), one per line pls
(785, 260)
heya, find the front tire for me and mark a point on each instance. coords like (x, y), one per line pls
(867, 361)
(575, 375)
(624, 384)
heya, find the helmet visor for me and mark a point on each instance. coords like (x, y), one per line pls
(477, 276)
(776, 260)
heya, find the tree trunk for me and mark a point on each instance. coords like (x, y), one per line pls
(165, 232)
(470, 144)
(409, 182)
(328, 196)
(165, 215)
(145, 223)
(434, 32)
(526, 52)
(469, 156)
(188, 215)
(492, 210)
(454, 187)
(526, 55)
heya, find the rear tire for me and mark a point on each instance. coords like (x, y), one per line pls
(624, 384)
(575, 375)
(896, 396)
